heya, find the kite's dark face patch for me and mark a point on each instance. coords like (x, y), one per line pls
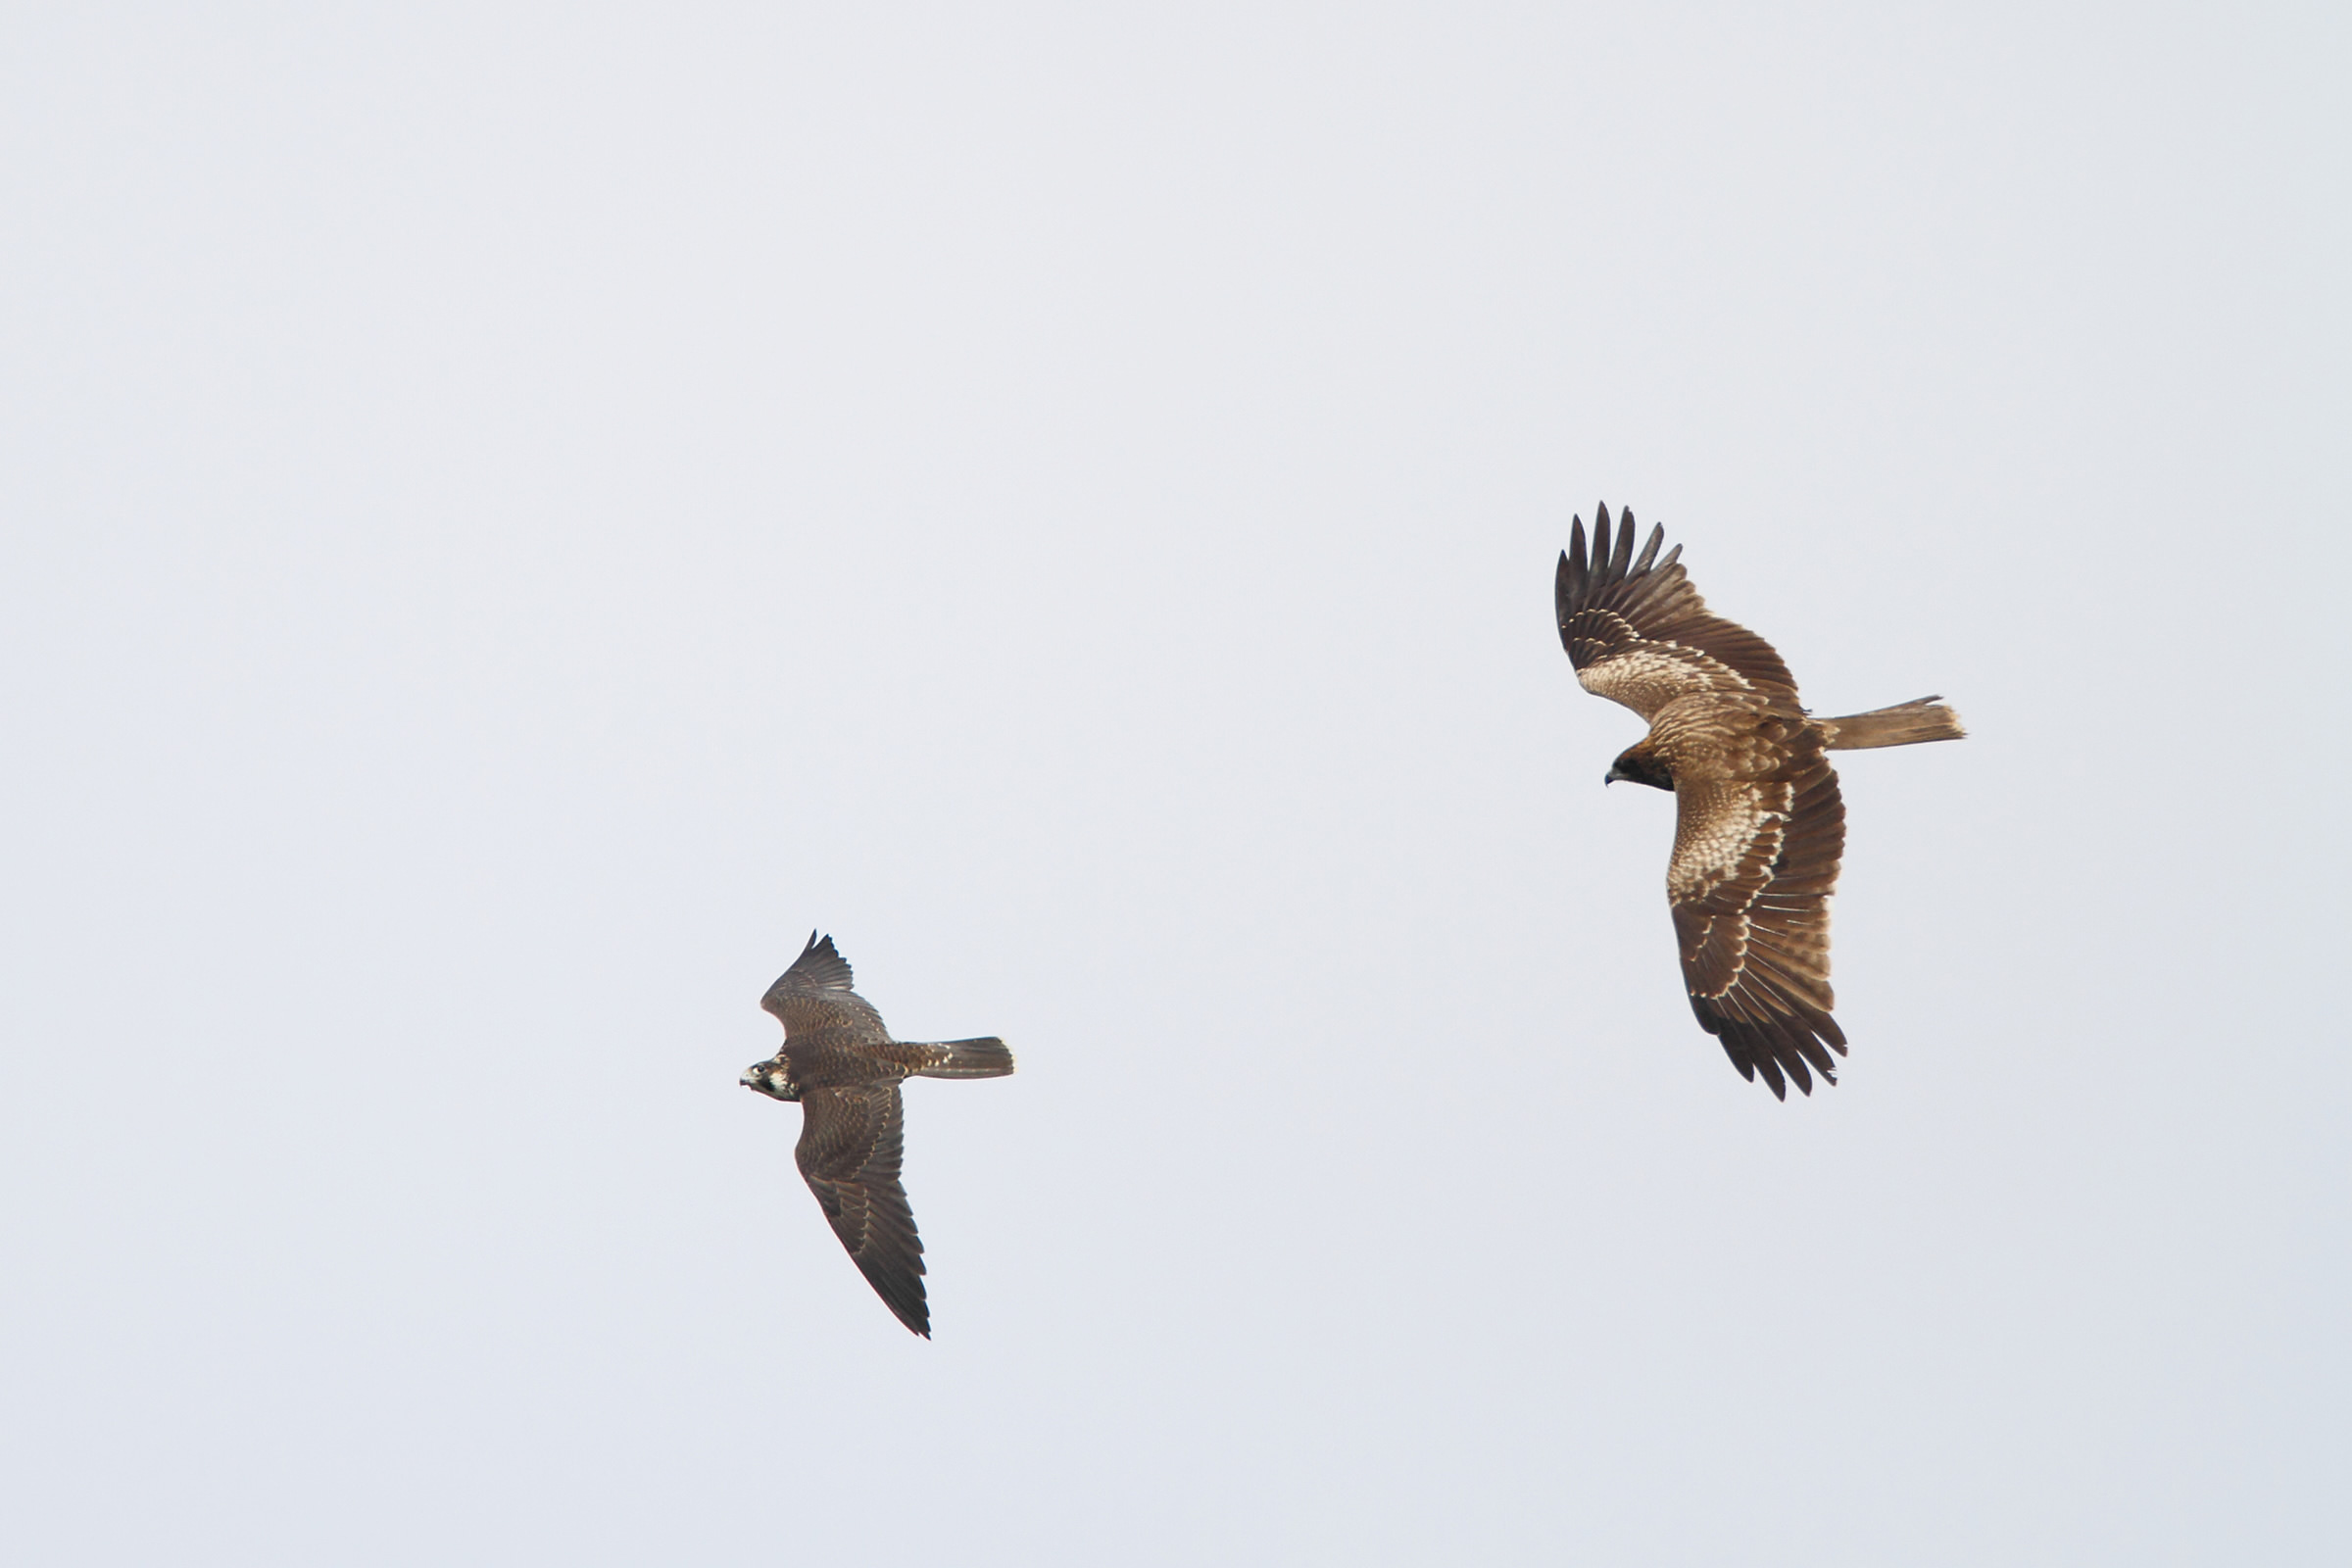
(1635, 767)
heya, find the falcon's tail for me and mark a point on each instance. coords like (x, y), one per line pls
(969, 1058)
(1905, 725)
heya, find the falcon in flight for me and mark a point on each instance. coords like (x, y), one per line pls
(843, 1068)
(1758, 823)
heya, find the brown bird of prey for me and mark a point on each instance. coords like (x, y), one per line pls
(1758, 822)
(843, 1068)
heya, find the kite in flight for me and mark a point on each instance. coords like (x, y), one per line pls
(1758, 822)
(843, 1068)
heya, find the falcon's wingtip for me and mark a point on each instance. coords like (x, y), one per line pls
(820, 964)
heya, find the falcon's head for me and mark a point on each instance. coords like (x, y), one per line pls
(772, 1078)
(1637, 766)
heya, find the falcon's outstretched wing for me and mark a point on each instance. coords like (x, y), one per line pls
(852, 1141)
(1638, 632)
(815, 993)
(1754, 863)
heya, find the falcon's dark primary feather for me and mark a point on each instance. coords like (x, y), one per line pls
(815, 993)
(841, 1064)
(1759, 822)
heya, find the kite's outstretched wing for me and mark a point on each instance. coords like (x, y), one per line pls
(1754, 863)
(1638, 632)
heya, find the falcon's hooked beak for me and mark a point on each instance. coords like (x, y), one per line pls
(765, 1077)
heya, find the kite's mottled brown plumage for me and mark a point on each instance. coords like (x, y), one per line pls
(1759, 825)
(841, 1064)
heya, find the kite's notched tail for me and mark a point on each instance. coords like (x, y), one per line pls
(1905, 725)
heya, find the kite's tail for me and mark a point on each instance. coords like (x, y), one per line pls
(986, 1058)
(1905, 725)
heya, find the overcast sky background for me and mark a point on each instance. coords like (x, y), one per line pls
(514, 515)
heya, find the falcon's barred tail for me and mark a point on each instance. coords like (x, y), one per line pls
(986, 1058)
(1905, 725)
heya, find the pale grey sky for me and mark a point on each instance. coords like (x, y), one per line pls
(517, 513)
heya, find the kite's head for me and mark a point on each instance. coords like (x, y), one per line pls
(1637, 766)
(772, 1078)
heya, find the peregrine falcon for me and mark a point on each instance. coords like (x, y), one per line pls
(841, 1064)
